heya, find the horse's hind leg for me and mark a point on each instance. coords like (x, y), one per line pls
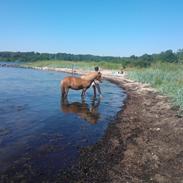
(63, 90)
(63, 94)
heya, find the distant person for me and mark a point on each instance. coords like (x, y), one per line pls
(95, 84)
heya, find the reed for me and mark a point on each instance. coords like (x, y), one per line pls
(166, 78)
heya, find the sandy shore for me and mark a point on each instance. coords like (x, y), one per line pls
(144, 144)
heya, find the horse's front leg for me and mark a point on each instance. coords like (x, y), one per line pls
(83, 92)
(94, 91)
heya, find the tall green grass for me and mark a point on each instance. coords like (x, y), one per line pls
(166, 78)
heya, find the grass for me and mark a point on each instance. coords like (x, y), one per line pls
(166, 78)
(69, 64)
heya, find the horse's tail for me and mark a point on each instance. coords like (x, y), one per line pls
(62, 88)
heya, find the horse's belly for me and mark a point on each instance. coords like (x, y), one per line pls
(76, 87)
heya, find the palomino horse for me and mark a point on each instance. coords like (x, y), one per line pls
(77, 83)
(87, 112)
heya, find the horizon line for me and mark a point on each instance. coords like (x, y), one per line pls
(91, 53)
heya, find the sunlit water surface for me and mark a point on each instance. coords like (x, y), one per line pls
(39, 133)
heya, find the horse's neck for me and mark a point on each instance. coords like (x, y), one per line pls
(91, 81)
(90, 77)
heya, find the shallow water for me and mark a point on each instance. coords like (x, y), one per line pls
(41, 134)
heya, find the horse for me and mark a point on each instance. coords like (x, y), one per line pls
(77, 83)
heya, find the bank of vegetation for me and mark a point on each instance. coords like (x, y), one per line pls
(165, 77)
(163, 71)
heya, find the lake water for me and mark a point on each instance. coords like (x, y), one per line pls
(40, 134)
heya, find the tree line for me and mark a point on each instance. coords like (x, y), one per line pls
(140, 61)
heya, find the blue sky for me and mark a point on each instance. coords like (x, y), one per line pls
(99, 27)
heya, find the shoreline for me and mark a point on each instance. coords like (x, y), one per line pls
(144, 144)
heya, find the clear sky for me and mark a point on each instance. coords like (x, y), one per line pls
(100, 27)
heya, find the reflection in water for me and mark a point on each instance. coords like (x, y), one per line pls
(87, 112)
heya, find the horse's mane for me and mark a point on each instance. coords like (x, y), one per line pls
(90, 75)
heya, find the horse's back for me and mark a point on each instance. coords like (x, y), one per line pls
(73, 82)
(68, 80)
(89, 75)
(71, 78)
